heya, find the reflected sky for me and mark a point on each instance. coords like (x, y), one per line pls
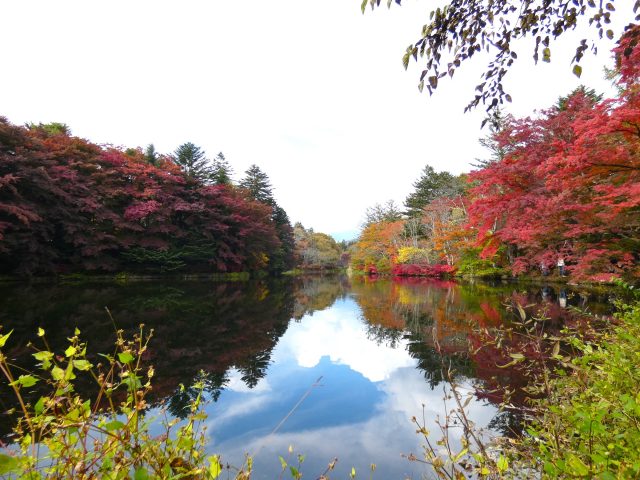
(360, 412)
(262, 345)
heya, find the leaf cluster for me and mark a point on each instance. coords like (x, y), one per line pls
(64, 435)
(462, 29)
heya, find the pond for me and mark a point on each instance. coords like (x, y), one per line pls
(332, 366)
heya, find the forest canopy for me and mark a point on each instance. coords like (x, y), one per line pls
(68, 205)
(560, 187)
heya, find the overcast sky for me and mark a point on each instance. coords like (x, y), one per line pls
(312, 92)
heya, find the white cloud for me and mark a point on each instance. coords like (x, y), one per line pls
(243, 406)
(381, 439)
(236, 384)
(340, 335)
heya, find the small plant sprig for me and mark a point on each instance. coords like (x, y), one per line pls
(64, 435)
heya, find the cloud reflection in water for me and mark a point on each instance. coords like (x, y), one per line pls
(361, 413)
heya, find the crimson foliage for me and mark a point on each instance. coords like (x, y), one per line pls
(413, 270)
(569, 185)
(68, 205)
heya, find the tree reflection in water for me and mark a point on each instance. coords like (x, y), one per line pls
(439, 321)
(204, 330)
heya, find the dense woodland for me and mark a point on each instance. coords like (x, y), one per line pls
(564, 184)
(68, 205)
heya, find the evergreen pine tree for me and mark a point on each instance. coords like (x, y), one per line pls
(193, 162)
(284, 258)
(430, 186)
(151, 155)
(257, 185)
(221, 170)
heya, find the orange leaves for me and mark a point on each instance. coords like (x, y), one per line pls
(377, 245)
(446, 220)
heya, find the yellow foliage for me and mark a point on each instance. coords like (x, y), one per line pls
(412, 255)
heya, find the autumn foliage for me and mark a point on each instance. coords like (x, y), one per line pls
(569, 186)
(67, 205)
(565, 185)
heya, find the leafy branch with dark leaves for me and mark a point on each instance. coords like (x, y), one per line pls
(464, 28)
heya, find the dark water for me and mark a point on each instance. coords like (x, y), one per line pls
(262, 346)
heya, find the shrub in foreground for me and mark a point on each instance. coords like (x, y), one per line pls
(64, 435)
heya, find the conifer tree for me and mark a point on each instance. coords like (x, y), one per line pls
(193, 162)
(221, 170)
(283, 259)
(257, 185)
(151, 155)
(430, 186)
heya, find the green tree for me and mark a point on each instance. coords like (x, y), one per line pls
(221, 170)
(282, 259)
(193, 162)
(151, 155)
(316, 250)
(462, 28)
(257, 185)
(430, 186)
(52, 128)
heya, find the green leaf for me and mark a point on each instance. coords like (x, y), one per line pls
(577, 466)
(82, 364)
(460, 454)
(57, 373)
(25, 381)
(214, 466)
(294, 472)
(39, 406)
(3, 340)
(283, 462)
(40, 332)
(125, 357)
(114, 425)
(364, 5)
(70, 351)
(546, 55)
(517, 356)
(577, 70)
(132, 381)
(141, 474)
(68, 374)
(502, 464)
(8, 464)
(44, 357)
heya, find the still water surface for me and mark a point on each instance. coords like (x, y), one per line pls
(361, 352)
